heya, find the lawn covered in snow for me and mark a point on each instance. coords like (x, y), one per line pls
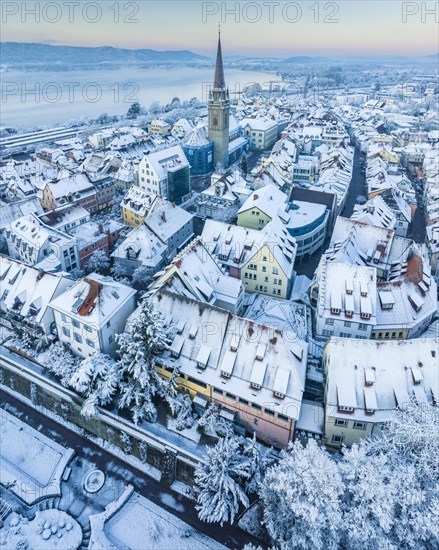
(141, 524)
(31, 460)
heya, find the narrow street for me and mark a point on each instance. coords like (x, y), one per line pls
(357, 187)
(228, 535)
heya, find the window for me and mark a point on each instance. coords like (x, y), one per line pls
(77, 337)
(362, 326)
(264, 258)
(243, 401)
(275, 271)
(230, 396)
(76, 323)
(282, 417)
(360, 425)
(64, 318)
(269, 412)
(342, 423)
(89, 343)
(346, 409)
(347, 323)
(329, 321)
(257, 407)
(66, 332)
(216, 390)
(108, 324)
(88, 329)
(337, 439)
(110, 339)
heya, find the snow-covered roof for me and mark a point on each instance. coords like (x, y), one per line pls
(142, 244)
(395, 365)
(137, 200)
(166, 219)
(345, 288)
(246, 366)
(26, 290)
(31, 230)
(167, 160)
(94, 300)
(375, 212)
(195, 273)
(11, 211)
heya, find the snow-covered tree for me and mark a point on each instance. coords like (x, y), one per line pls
(141, 276)
(220, 482)
(369, 497)
(260, 458)
(212, 424)
(97, 378)
(301, 499)
(61, 362)
(98, 262)
(185, 417)
(140, 381)
(119, 271)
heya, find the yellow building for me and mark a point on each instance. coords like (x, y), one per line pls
(135, 206)
(262, 260)
(261, 207)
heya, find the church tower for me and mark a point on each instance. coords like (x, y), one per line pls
(219, 110)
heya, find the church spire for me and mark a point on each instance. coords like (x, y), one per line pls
(219, 82)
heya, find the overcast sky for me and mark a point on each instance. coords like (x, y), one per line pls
(273, 28)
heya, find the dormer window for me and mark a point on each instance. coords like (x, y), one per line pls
(335, 311)
(369, 412)
(345, 409)
(365, 315)
(279, 395)
(225, 374)
(255, 386)
(348, 313)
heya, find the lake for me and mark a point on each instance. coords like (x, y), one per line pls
(49, 98)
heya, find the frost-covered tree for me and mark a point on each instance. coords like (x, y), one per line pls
(260, 458)
(61, 362)
(301, 499)
(369, 498)
(140, 381)
(185, 417)
(98, 262)
(220, 482)
(119, 271)
(141, 276)
(212, 424)
(97, 378)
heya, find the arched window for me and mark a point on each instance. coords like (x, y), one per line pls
(215, 121)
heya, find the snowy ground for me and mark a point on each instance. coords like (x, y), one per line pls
(50, 530)
(31, 464)
(140, 524)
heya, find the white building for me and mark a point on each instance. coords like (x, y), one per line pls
(25, 295)
(166, 173)
(367, 381)
(261, 131)
(33, 242)
(90, 314)
(346, 301)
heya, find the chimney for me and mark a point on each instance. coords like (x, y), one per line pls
(164, 216)
(255, 197)
(100, 228)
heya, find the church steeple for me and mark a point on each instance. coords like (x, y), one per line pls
(218, 107)
(219, 82)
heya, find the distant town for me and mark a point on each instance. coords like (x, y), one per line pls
(223, 311)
